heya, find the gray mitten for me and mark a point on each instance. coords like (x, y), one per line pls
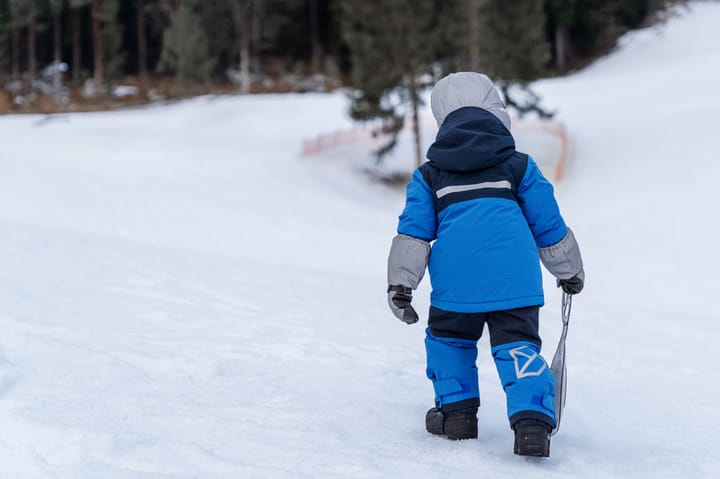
(406, 266)
(399, 298)
(564, 261)
(573, 285)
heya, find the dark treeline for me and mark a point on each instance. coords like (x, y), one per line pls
(271, 45)
(193, 41)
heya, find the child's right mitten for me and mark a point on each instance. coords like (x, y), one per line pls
(564, 261)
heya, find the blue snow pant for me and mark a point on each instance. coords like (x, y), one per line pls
(451, 346)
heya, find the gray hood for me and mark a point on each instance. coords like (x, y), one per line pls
(459, 90)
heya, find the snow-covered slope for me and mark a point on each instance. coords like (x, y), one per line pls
(183, 296)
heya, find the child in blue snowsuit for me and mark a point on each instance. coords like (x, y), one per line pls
(493, 218)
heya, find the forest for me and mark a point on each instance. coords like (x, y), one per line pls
(74, 55)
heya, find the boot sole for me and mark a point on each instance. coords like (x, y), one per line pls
(454, 428)
(532, 441)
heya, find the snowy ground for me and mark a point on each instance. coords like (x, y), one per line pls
(183, 296)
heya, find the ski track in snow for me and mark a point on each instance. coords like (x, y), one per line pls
(182, 296)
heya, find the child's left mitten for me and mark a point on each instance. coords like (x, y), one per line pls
(407, 262)
(399, 299)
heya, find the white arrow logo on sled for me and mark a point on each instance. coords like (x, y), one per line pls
(524, 353)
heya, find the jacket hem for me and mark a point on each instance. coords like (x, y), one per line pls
(521, 302)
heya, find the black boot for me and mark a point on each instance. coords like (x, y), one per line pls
(455, 425)
(532, 438)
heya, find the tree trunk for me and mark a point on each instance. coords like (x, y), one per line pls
(97, 44)
(57, 37)
(57, 40)
(15, 51)
(142, 44)
(32, 37)
(77, 47)
(473, 35)
(244, 62)
(561, 47)
(258, 12)
(415, 99)
(242, 23)
(317, 53)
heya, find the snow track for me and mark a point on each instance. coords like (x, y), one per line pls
(183, 296)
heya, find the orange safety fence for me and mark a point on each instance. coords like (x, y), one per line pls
(556, 129)
(363, 133)
(335, 139)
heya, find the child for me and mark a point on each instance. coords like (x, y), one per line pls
(492, 216)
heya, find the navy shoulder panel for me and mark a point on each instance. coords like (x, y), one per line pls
(429, 173)
(518, 164)
(499, 181)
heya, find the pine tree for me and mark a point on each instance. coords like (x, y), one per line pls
(258, 22)
(515, 50)
(152, 18)
(285, 29)
(586, 28)
(14, 26)
(31, 15)
(241, 13)
(77, 10)
(317, 49)
(392, 48)
(561, 16)
(98, 66)
(5, 46)
(24, 15)
(474, 33)
(56, 8)
(142, 51)
(111, 31)
(514, 45)
(186, 48)
(460, 32)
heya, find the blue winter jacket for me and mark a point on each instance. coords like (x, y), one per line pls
(487, 208)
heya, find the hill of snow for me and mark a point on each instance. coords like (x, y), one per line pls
(183, 296)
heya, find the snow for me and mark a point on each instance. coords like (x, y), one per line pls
(183, 296)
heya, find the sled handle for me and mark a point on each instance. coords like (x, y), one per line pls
(557, 366)
(566, 308)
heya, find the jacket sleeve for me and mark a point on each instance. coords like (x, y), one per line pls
(559, 251)
(410, 250)
(537, 201)
(418, 218)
